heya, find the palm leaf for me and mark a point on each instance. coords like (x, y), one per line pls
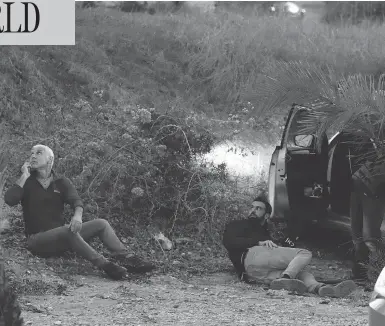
(355, 104)
(296, 82)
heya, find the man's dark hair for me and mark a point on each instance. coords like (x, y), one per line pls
(264, 200)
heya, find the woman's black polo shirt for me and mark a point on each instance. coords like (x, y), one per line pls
(43, 208)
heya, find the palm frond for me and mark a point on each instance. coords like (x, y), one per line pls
(354, 104)
(296, 82)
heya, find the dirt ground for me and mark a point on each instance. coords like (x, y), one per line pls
(164, 300)
(52, 297)
(69, 291)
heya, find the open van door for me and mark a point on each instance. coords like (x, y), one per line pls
(298, 171)
(310, 177)
(340, 170)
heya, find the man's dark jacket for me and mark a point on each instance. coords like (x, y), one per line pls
(239, 236)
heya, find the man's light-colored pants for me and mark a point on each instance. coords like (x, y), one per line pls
(266, 264)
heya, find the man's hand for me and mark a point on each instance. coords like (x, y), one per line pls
(76, 224)
(268, 243)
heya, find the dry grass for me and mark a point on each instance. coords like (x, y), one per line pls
(197, 56)
(235, 53)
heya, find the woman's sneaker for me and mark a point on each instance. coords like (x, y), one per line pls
(114, 271)
(291, 285)
(135, 264)
(337, 291)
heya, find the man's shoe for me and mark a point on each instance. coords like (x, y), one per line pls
(114, 271)
(338, 291)
(291, 285)
(135, 264)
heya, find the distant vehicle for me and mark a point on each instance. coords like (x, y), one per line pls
(288, 9)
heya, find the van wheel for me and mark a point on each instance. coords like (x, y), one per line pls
(9, 307)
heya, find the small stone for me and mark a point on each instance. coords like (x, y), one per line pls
(57, 322)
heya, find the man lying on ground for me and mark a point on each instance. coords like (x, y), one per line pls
(42, 194)
(258, 259)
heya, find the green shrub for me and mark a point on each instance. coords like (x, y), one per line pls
(136, 166)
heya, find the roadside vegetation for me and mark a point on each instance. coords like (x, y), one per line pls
(141, 95)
